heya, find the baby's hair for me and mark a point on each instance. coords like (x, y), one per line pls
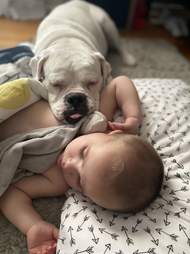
(140, 174)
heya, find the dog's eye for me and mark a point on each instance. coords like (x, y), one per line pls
(57, 85)
(92, 83)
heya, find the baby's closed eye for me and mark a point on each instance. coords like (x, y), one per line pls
(83, 152)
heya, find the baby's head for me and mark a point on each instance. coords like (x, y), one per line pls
(135, 177)
(117, 171)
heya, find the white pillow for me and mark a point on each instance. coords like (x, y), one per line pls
(162, 228)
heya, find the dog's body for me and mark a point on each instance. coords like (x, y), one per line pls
(71, 44)
(73, 20)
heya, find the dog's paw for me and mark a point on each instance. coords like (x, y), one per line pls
(129, 59)
(96, 122)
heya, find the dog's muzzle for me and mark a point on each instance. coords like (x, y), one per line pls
(76, 107)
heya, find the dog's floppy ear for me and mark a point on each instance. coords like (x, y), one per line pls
(105, 68)
(36, 64)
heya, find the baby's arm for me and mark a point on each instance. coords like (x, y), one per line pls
(16, 205)
(121, 93)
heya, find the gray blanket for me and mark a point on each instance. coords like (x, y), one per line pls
(35, 151)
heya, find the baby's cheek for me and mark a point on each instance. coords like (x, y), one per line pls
(73, 180)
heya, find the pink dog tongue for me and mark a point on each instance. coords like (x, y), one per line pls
(75, 116)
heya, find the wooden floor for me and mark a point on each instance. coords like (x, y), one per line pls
(13, 32)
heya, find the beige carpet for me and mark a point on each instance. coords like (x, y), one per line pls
(156, 59)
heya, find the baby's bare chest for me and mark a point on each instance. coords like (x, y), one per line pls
(35, 116)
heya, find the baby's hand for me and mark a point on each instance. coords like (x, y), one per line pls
(42, 238)
(130, 126)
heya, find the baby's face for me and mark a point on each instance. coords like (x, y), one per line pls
(86, 162)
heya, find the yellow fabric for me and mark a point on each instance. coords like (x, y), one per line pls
(14, 94)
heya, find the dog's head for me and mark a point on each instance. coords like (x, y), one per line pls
(73, 81)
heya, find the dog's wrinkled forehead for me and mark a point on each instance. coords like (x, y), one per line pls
(71, 68)
(67, 67)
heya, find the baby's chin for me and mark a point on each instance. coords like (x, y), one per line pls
(77, 188)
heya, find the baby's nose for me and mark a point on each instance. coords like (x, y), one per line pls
(71, 164)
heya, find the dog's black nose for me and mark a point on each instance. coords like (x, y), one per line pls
(75, 107)
(75, 99)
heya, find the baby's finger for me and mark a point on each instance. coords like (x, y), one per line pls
(111, 126)
(123, 127)
(116, 126)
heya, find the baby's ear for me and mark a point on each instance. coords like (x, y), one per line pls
(37, 63)
(105, 68)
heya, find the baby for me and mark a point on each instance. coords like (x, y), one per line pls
(116, 170)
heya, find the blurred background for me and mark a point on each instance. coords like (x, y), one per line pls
(168, 19)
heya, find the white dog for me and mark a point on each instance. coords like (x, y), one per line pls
(71, 44)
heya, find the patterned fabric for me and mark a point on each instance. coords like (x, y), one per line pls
(14, 63)
(11, 55)
(162, 228)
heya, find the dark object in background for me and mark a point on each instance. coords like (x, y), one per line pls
(118, 10)
(174, 15)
